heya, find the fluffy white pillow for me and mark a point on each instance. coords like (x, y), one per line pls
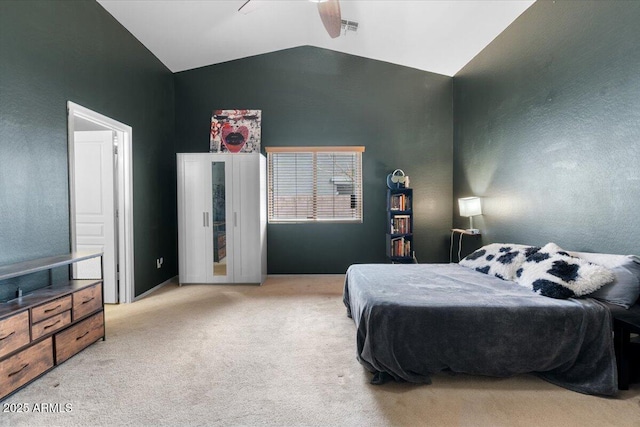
(499, 259)
(559, 275)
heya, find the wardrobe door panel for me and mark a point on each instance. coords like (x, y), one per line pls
(247, 219)
(192, 216)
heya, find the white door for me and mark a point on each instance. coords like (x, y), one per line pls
(94, 196)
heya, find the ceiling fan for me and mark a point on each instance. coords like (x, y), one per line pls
(329, 11)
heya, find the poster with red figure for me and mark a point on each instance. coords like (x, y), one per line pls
(235, 131)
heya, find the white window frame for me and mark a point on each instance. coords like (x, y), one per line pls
(319, 211)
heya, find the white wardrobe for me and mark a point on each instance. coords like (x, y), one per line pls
(222, 218)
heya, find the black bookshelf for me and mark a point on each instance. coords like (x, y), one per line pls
(399, 237)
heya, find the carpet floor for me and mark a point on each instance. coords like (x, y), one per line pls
(280, 354)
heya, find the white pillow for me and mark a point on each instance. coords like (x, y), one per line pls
(559, 275)
(498, 259)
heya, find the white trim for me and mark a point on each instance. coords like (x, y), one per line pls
(174, 279)
(125, 192)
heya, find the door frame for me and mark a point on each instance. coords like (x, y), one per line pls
(124, 201)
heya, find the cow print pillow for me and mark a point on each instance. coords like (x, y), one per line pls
(499, 259)
(559, 275)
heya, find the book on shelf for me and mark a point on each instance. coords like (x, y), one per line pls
(399, 202)
(401, 224)
(400, 247)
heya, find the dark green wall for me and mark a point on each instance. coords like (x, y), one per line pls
(311, 96)
(547, 128)
(55, 51)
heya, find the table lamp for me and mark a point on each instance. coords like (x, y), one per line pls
(470, 206)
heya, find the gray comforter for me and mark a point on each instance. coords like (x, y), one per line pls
(414, 320)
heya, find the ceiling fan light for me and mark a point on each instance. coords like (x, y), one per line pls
(318, 1)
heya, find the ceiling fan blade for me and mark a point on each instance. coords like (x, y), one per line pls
(330, 15)
(249, 6)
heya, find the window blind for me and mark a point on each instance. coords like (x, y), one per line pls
(315, 184)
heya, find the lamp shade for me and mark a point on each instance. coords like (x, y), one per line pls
(470, 206)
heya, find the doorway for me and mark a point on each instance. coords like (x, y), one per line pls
(100, 198)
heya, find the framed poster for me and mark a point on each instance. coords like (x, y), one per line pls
(235, 131)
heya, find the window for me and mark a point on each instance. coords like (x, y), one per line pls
(315, 184)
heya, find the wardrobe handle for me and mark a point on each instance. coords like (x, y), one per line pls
(204, 219)
(235, 219)
(207, 219)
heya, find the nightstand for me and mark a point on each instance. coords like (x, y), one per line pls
(474, 240)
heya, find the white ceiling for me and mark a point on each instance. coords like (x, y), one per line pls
(430, 35)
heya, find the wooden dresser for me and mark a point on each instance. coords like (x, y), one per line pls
(46, 327)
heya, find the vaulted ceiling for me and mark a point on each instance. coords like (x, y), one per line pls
(430, 35)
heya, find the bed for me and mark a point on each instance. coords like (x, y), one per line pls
(415, 320)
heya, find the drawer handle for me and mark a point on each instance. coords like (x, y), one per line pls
(7, 336)
(88, 300)
(82, 336)
(52, 325)
(53, 309)
(19, 370)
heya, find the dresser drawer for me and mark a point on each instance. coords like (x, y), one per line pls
(79, 336)
(50, 325)
(86, 301)
(14, 332)
(22, 367)
(44, 311)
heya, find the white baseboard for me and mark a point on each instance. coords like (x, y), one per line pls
(174, 279)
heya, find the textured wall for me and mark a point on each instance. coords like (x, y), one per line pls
(546, 128)
(310, 96)
(52, 52)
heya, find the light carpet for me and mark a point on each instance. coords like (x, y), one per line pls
(281, 354)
